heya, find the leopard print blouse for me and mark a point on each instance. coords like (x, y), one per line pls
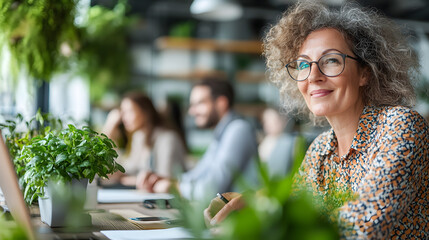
(387, 166)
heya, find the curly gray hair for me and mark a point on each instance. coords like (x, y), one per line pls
(377, 41)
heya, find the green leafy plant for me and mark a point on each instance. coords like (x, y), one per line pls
(44, 153)
(335, 197)
(10, 230)
(44, 38)
(191, 214)
(103, 57)
(33, 30)
(279, 210)
(38, 125)
(72, 154)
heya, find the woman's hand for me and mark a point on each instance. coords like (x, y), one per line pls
(217, 211)
(151, 182)
(112, 123)
(146, 181)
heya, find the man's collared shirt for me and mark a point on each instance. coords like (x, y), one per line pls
(230, 155)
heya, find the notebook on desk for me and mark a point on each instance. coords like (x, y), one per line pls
(20, 213)
(128, 196)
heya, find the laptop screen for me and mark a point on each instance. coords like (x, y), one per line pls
(11, 191)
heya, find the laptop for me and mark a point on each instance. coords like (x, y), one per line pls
(21, 214)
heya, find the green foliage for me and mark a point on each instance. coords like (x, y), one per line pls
(44, 39)
(34, 30)
(183, 29)
(72, 154)
(40, 125)
(279, 210)
(335, 197)
(191, 214)
(103, 57)
(267, 218)
(10, 230)
(43, 153)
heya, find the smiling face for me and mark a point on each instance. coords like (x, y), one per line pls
(203, 107)
(331, 96)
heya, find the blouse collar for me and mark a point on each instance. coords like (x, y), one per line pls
(360, 140)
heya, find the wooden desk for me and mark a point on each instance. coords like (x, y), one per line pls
(102, 210)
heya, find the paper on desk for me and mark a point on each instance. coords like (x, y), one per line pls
(128, 196)
(169, 233)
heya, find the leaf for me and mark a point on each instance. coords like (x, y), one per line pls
(120, 168)
(86, 173)
(39, 117)
(85, 164)
(27, 190)
(83, 143)
(61, 158)
(71, 127)
(72, 169)
(50, 167)
(34, 160)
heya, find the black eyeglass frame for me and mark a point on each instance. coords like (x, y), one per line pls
(343, 55)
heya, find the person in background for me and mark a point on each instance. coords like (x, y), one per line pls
(172, 113)
(354, 68)
(151, 147)
(277, 147)
(273, 125)
(231, 154)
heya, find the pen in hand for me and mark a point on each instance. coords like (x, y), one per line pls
(222, 198)
(217, 204)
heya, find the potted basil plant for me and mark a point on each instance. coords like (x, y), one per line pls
(71, 156)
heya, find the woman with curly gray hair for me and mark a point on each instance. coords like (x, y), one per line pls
(354, 68)
(374, 40)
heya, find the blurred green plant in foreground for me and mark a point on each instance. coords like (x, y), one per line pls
(10, 230)
(279, 210)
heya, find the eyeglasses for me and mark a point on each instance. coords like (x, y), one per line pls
(331, 65)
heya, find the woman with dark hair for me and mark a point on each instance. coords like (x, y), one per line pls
(151, 146)
(354, 69)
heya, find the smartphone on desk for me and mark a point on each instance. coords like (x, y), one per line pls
(158, 203)
(149, 218)
(168, 221)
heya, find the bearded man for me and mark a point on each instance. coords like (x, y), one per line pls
(230, 156)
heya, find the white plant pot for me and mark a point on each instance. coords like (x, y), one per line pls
(91, 196)
(55, 209)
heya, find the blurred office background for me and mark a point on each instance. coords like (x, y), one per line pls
(162, 46)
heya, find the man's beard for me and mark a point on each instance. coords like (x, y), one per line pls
(212, 120)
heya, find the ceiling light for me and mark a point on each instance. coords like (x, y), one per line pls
(216, 10)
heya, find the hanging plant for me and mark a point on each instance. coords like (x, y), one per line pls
(33, 31)
(43, 39)
(103, 57)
